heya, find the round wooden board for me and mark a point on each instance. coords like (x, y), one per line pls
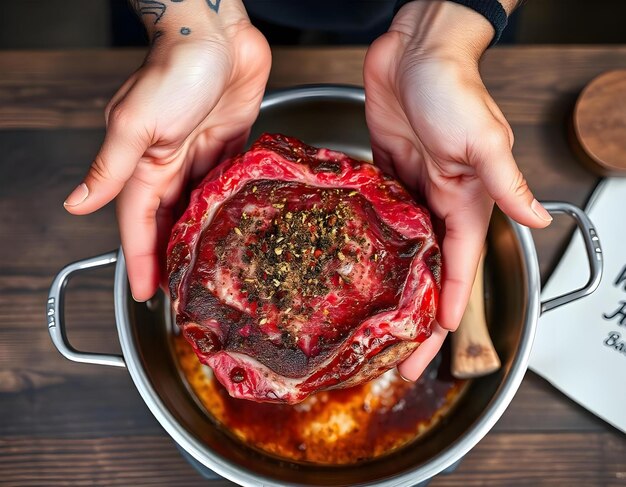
(599, 123)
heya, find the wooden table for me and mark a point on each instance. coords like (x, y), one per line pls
(63, 423)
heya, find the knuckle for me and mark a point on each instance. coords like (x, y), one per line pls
(496, 138)
(100, 170)
(519, 186)
(119, 116)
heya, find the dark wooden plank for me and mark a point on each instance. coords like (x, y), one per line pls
(66, 89)
(55, 404)
(536, 84)
(38, 169)
(575, 459)
(589, 459)
(342, 65)
(71, 89)
(25, 342)
(117, 460)
(539, 407)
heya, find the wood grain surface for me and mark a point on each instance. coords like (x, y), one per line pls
(63, 423)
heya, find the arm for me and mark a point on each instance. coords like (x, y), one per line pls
(191, 103)
(435, 126)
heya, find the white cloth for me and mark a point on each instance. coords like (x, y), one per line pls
(581, 347)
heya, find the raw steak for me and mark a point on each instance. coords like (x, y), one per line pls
(297, 269)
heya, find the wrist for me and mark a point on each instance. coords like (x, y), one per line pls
(197, 20)
(443, 29)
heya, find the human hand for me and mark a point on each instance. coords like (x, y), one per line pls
(188, 106)
(434, 125)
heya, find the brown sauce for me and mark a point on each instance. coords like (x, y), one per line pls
(332, 427)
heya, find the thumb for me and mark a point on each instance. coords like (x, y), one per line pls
(505, 183)
(113, 166)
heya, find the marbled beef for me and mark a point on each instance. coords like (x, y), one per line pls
(297, 269)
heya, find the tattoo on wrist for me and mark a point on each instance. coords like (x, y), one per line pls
(214, 5)
(149, 7)
(157, 9)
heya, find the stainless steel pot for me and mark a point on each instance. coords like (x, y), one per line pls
(333, 116)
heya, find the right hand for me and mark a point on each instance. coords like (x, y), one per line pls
(434, 125)
(190, 105)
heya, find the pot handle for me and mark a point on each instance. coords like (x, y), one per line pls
(594, 254)
(55, 312)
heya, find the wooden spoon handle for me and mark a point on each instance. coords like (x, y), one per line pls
(473, 353)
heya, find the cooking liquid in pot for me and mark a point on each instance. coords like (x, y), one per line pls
(332, 427)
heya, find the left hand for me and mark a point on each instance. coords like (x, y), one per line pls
(190, 105)
(436, 128)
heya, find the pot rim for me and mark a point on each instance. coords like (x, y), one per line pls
(437, 464)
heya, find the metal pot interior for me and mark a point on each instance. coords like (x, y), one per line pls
(337, 121)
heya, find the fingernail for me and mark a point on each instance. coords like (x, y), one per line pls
(77, 196)
(404, 378)
(134, 298)
(540, 211)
